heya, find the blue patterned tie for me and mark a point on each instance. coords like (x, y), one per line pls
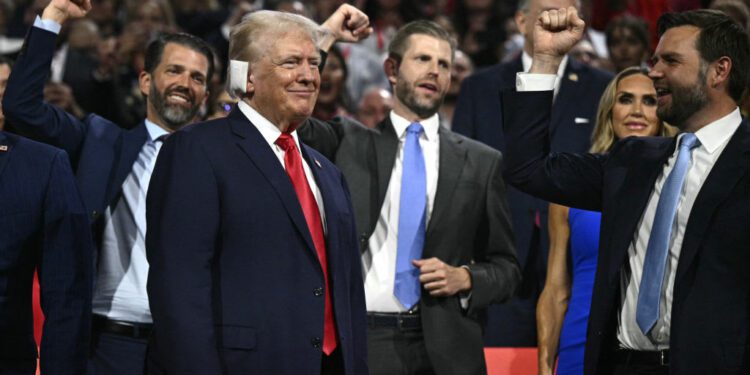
(647, 312)
(411, 219)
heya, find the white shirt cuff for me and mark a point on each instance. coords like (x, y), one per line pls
(48, 25)
(535, 82)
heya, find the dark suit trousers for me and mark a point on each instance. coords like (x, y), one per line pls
(18, 366)
(393, 351)
(117, 355)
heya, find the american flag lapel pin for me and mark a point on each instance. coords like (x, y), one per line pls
(3, 148)
(573, 77)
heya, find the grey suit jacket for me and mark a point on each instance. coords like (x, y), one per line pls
(469, 226)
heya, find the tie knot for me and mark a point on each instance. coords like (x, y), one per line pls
(689, 141)
(415, 128)
(286, 142)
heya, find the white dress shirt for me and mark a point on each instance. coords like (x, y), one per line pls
(271, 133)
(713, 138)
(526, 61)
(380, 261)
(120, 292)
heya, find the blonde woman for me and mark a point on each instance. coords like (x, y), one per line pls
(627, 108)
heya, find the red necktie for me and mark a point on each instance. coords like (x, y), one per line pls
(293, 162)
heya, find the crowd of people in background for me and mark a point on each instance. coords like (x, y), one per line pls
(101, 55)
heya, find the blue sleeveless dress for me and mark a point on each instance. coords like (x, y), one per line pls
(584, 245)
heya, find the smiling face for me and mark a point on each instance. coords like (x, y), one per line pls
(679, 76)
(634, 110)
(177, 87)
(284, 82)
(331, 81)
(422, 78)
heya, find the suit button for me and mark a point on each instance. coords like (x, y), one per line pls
(94, 214)
(363, 238)
(316, 342)
(317, 292)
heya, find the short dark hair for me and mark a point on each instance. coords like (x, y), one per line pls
(155, 50)
(400, 42)
(636, 25)
(719, 36)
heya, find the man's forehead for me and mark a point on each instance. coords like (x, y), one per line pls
(678, 40)
(423, 42)
(178, 54)
(294, 45)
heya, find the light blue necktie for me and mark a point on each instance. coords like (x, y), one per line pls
(647, 312)
(411, 219)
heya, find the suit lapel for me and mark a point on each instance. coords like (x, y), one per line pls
(726, 173)
(386, 147)
(132, 143)
(570, 86)
(632, 199)
(5, 149)
(452, 157)
(255, 147)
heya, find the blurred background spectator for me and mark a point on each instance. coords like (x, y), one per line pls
(333, 99)
(375, 105)
(627, 42)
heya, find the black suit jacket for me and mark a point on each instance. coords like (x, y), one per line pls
(710, 327)
(469, 226)
(478, 116)
(42, 225)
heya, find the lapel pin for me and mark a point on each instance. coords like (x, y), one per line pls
(573, 77)
(3, 148)
(318, 164)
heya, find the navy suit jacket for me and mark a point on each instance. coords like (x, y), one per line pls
(101, 153)
(235, 285)
(42, 225)
(710, 326)
(478, 116)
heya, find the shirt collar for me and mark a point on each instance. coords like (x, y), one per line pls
(154, 131)
(526, 60)
(717, 133)
(430, 126)
(267, 129)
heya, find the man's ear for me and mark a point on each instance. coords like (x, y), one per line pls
(520, 19)
(390, 66)
(250, 84)
(718, 72)
(144, 82)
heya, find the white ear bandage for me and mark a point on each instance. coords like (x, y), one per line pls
(237, 78)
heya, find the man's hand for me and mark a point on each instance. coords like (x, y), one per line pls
(346, 24)
(61, 10)
(556, 31)
(442, 280)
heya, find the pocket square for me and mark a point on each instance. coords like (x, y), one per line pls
(581, 120)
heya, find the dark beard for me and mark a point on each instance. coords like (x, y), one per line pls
(686, 101)
(173, 116)
(405, 93)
